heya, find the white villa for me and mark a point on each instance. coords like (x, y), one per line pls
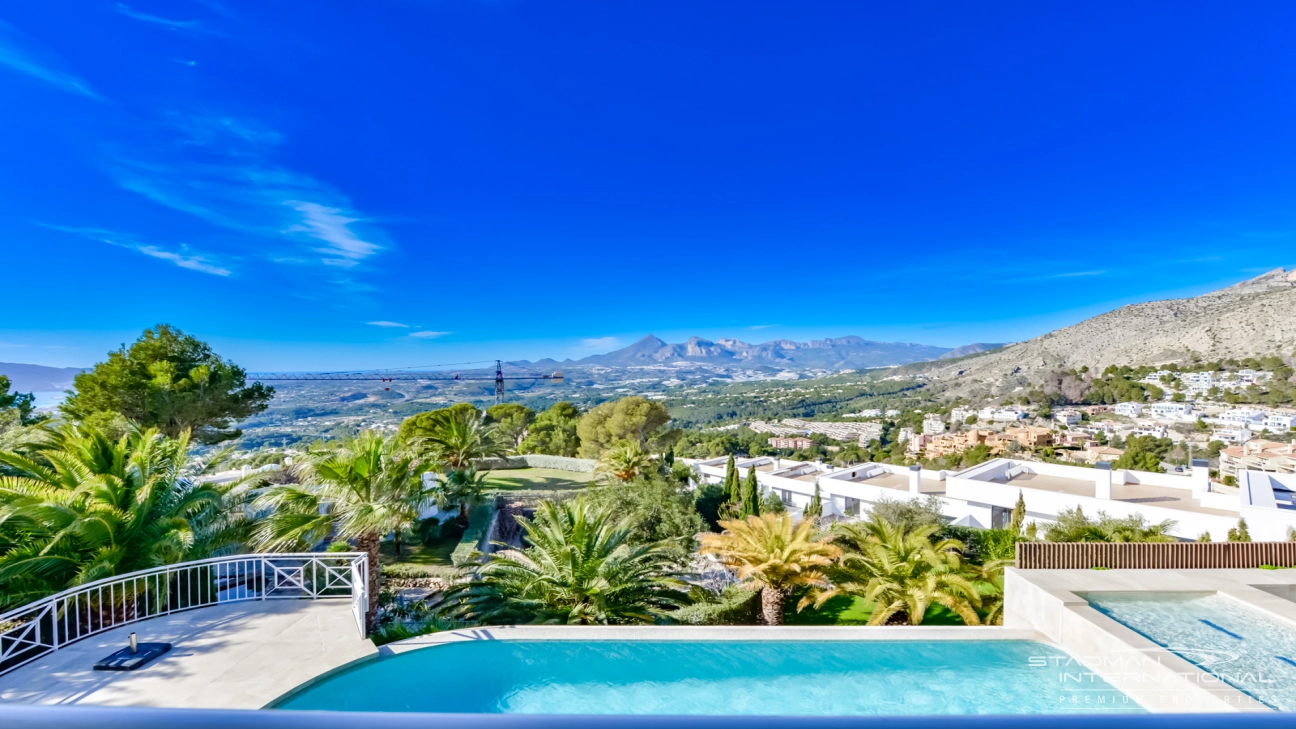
(983, 496)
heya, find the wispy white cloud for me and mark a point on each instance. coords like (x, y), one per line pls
(331, 226)
(427, 334)
(181, 258)
(763, 326)
(130, 12)
(219, 169)
(388, 324)
(600, 342)
(19, 54)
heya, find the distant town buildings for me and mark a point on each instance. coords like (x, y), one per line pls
(796, 444)
(960, 415)
(933, 425)
(1068, 417)
(1258, 455)
(1179, 411)
(1129, 409)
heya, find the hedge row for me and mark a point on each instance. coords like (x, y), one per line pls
(535, 460)
(735, 606)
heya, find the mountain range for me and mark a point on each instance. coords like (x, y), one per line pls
(38, 378)
(833, 353)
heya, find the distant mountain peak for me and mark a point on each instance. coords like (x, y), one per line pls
(849, 352)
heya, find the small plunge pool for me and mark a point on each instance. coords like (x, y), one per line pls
(1245, 647)
(780, 678)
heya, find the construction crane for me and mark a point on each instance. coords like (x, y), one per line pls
(405, 376)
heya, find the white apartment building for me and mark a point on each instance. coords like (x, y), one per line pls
(1247, 377)
(871, 431)
(1231, 435)
(1172, 411)
(984, 496)
(959, 415)
(1198, 379)
(1241, 417)
(1128, 409)
(867, 413)
(1068, 417)
(892, 413)
(1152, 429)
(1278, 422)
(1002, 415)
(933, 425)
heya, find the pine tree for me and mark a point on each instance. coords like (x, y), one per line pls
(1018, 514)
(814, 509)
(670, 458)
(751, 494)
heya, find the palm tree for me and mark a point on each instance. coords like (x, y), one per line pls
(462, 488)
(623, 462)
(580, 570)
(772, 552)
(458, 438)
(903, 572)
(77, 506)
(361, 489)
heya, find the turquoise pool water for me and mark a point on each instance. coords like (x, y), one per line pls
(1245, 647)
(713, 677)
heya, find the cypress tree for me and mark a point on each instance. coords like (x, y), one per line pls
(731, 481)
(814, 509)
(1018, 514)
(670, 458)
(751, 494)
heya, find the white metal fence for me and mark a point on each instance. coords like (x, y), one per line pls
(51, 623)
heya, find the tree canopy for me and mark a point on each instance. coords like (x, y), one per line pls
(553, 432)
(632, 419)
(170, 381)
(16, 406)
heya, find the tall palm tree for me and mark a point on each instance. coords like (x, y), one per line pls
(361, 489)
(77, 506)
(580, 570)
(903, 572)
(623, 462)
(774, 553)
(452, 443)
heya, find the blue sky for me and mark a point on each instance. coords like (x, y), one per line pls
(320, 185)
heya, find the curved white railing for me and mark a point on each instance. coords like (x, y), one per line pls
(51, 623)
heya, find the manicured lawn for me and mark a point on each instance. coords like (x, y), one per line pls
(848, 610)
(536, 479)
(436, 558)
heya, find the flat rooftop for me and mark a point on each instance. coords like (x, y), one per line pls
(1133, 493)
(240, 655)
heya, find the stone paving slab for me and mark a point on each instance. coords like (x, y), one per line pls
(237, 656)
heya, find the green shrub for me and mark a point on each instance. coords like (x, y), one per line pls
(403, 572)
(734, 606)
(983, 545)
(340, 546)
(429, 531)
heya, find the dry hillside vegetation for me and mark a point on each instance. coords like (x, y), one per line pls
(1252, 318)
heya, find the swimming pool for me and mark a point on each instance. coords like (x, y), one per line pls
(1241, 645)
(714, 677)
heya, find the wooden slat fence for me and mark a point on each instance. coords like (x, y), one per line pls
(1162, 556)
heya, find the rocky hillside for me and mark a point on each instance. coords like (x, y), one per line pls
(1252, 318)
